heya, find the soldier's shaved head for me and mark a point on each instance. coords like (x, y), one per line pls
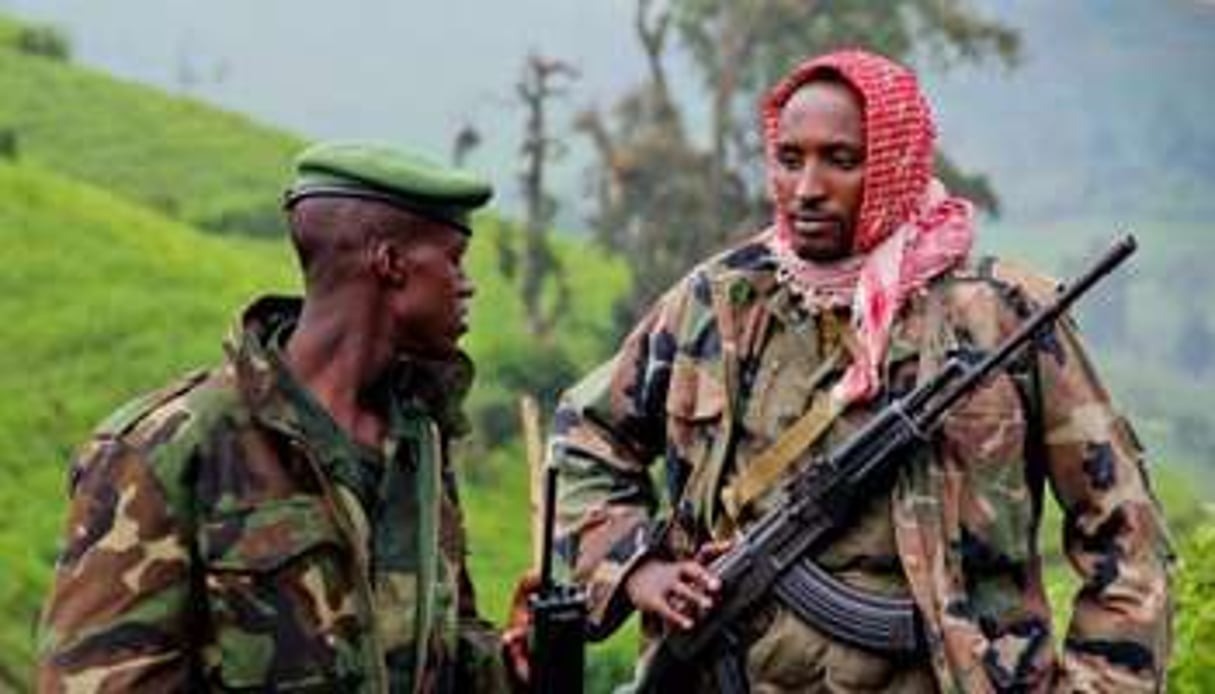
(333, 236)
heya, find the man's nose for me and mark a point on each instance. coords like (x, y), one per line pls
(810, 188)
(467, 288)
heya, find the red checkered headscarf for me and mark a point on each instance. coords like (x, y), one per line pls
(909, 229)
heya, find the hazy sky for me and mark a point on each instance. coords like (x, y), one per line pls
(406, 71)
(357, 67)
(413, 72)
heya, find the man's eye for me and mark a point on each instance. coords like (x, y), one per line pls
(789, 159)
(846, 159)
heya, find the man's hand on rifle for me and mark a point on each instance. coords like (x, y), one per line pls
(679, 592)
(515, 636)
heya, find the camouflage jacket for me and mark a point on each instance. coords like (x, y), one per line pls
(686, 388)
(224, 533)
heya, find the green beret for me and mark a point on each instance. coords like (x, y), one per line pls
(379, 172)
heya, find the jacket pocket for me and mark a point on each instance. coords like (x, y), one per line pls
(695, 392)
(279, 599)
(696, 441)
(694, 407)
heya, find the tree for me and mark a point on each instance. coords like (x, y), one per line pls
(466, 140)
(9, 144)
(537, 263)
(663, 198)
(45, 41)
(658, 194)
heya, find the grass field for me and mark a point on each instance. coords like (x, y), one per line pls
(94, 306)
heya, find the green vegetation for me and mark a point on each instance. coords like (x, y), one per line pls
(99, 300)
(1193, 667)
(10, 33)
(45, 41)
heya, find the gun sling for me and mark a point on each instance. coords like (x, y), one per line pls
(766, 469)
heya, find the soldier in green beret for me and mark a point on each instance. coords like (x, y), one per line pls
(289, 519)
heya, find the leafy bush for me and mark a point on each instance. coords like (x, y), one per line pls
(540, 371)
(9, 148)
(261, 217)
(44, 41)
(1193, 665)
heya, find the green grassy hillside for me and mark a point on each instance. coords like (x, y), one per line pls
(208, 167)
(98, 300)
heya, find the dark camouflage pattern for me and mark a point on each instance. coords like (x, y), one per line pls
(224, 534)
(719, 367)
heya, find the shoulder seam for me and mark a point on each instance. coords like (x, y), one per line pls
(128, 417)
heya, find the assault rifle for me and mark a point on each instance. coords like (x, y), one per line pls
(558, 643)
(775, 554)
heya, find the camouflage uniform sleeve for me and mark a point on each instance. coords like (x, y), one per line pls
(116, 616)
(608, 429)
(1114, 530)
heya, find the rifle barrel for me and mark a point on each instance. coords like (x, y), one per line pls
(1066, 295)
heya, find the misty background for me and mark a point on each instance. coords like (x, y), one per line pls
(1106, 115)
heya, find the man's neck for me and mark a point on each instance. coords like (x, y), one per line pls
(337, 357)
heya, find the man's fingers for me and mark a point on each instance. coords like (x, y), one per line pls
(664, 609)
(529, 582)
(515, 636)
(698, 575)
(690, 596)
(675, 592)
(514, 640)
(712, 550)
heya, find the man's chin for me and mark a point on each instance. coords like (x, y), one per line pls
(435, 351)
(820, 252)
(822, 245)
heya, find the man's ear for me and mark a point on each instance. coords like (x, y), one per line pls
(388, 261)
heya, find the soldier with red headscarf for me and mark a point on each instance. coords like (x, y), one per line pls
(862, 285)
